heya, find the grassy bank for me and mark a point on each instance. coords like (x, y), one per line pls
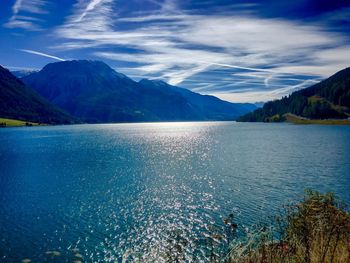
(16, 123)
(299, 120)
(315, 230)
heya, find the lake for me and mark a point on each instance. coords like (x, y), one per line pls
(123, 191)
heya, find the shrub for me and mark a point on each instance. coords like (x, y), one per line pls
(314, 230)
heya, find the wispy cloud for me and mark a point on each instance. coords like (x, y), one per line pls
(29, 21)
(180, 47)
(17, 6)
(41, 54)
(90, 7)
(254, 95)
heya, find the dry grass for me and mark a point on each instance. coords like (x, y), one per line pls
(315, 230)
(300, 120)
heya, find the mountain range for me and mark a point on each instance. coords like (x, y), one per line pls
(328, 99)
(20, 102)
(23, 72)
(95, 93)
(91, 91)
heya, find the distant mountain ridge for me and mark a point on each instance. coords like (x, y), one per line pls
(22, 103)
(96, 93)
(328, 99)
(212, 107)
(23, 72)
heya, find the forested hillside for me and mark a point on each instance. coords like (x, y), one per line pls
(329, 99)
(19, 102)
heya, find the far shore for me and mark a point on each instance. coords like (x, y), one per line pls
(300, 120)
(290, 118)
(4, 122)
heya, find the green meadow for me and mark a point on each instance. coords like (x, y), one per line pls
(299, 120)
(16, 123)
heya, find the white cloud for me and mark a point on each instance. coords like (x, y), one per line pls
(20, 23)
(28, 21)
(32, 6)
(90, 7)
(262, 95)
(16, 7)
(41, 54)
(256, 35)
(88, 19)
(176, 46)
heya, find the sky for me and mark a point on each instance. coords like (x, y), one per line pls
(240, 51)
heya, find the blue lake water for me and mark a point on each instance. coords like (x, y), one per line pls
(126, 191)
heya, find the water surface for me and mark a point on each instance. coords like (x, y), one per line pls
(126, 191)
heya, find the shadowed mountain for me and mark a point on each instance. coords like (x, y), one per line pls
(206, 106)
(329, 99)
(94, 92)
(22, 103)
(23, 72)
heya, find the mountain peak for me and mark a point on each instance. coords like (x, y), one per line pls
(23, 72)
(94, 92)
(78, 64)
(83, 68)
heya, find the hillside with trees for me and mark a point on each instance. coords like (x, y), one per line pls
(329, 99)
(18, 102)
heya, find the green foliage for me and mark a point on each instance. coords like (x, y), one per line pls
(275, 118)
(329, 99)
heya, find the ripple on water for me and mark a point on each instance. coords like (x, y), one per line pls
(150, 192)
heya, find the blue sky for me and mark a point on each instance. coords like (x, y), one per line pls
(241, 51)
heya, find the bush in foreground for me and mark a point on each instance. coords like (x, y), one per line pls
(315, 230)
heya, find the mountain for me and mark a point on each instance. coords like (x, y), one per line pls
(96, 93)
(22, 103)
(329, 99)
(23, 72)
(259, 104)
(206, 106)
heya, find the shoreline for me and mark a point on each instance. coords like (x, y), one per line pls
(13, 123)
(304, 121)
(289, 118)
(9, 123)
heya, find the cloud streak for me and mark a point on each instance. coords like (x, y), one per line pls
(31, 8)
(90, 7)
(180, 47)
(252, 95)
(41, 54)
